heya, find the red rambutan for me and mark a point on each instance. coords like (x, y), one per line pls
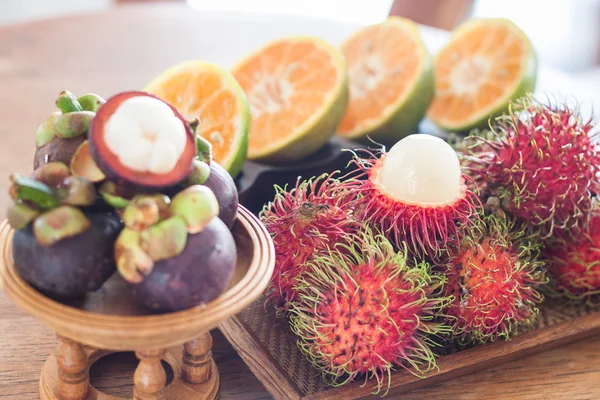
(574, 264)
(542, 163)
(493, 276)
(415, 194)
(303, 222)
(362, 311)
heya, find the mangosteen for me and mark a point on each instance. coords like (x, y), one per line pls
(175, 253)
(71, 267)
(61, 138)
(223, 186)
(61, 246)
(199, 274)
(138, 139)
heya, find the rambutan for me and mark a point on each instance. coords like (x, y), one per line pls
(302, 222)
(493, 276)
(415, 194)
(574, 264)
(362, 311)
(542, 163)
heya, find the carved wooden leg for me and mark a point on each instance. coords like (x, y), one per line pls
(73, 371)
(197, 359)
(150, 377)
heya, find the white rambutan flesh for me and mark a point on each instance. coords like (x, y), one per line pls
(416, 194)
(421, 169)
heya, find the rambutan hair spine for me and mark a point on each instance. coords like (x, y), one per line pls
(363, 311)
(495, 275)
(302, 222)
(574, 265)
(540, 163)
(416, 194)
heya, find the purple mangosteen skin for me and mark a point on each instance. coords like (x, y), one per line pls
(198, 275)
(72, 267)
(58, 149)
(223, 186)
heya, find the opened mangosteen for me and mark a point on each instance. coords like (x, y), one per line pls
(138, 139)
(62, 137)
(175, 253)
(61, 246)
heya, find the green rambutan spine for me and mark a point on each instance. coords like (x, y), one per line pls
(574, 265)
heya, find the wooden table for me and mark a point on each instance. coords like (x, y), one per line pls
(94, 53)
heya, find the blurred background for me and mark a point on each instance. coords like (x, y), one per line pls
(565, 33)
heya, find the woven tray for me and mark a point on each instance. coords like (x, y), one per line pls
(268, 347)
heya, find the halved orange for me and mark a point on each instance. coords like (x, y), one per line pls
(486, 64)
(297, 90)
(205, 90)
(391, 81)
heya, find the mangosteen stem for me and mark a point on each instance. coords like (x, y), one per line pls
(204, 149)
(67, 103)
(194, 124)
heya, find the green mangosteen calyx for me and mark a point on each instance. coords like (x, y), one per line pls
(157, 228)
(50, 199)
(132, 261)
(138, 139)
(32, 191)
(197, 205)
(45, 132)
(19, 215)
(58, 224)
(164, 240)
(83, 164)
(90, 102)
(116, 196)
(199, 174)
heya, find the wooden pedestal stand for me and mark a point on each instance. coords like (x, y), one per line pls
(109, 321)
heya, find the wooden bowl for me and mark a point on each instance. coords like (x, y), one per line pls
(110, 318)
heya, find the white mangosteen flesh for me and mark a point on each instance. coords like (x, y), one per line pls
(145, 135)
(421, 169)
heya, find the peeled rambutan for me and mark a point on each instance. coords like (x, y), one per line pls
(302, 222)
(493, 275)
(574, 264)
(362, 311)
(416, 194)
(542, 163)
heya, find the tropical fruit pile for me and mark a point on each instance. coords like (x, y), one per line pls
(424, 245)
(124, 184)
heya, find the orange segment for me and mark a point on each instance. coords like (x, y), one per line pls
(386, 63)
(291, 85)
(486, 63)
(204, 90)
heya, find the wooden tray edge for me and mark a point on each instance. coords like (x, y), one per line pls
(267, 370)
(258, 359)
